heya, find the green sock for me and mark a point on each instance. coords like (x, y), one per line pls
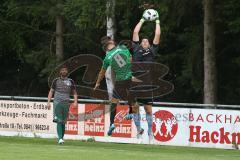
(59, 130)
(63, 130)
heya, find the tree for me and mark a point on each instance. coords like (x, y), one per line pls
(55, 10)
(110, 5)
(210, 70)
(28, 27)
(59, 38)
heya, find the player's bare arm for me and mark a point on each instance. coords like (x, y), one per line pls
(136, 31)
(75, 97)
(50, 95)
(100, 77)
(156, 39)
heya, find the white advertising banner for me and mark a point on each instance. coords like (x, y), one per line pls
(194, 127)
(24, 116)
(171, 126)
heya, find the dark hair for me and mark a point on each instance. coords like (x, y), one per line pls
(63, 66)
(104, 39)
(145, 37)
(105, 45)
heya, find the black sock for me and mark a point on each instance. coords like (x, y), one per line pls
(113, 107)
(63, 130)
(130, 109)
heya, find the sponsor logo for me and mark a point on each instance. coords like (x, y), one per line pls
(72, 127)
(123, 127)
(214, 118)
(73, 113)
(165, 126)
(72, 121)
(221, 136)
(94, 120)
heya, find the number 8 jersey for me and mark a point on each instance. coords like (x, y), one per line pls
(119, 58)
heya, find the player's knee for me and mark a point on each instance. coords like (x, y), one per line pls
(60, 121)
(148, 109)
(114, 100)
(149, 112)
(135, 109)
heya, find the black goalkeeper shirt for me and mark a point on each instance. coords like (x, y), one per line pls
(144, 55)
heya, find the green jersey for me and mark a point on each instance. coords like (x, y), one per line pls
(119, 58)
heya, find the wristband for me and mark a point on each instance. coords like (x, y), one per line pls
(142, 20)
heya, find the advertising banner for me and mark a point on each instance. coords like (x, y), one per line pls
(194, 127)
(72, 121)
(212, 128)
(123, 127)
(94, 120)
(24, 116)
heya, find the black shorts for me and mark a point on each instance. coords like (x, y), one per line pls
(148, 101)
(121, 91)
(146, 96)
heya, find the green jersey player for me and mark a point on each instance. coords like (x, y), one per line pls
(119, 59)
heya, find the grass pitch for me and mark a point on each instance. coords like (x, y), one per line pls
(18, 148)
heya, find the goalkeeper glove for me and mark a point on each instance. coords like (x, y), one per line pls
(157, 18)
(143, 19)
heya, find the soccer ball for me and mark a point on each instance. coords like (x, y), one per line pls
(150, 14)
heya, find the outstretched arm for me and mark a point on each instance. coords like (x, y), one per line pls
(136, 30)
(156, 39)
(100, 77)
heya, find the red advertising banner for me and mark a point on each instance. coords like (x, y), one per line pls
(72, 122)
(94, 119)
(123, 127)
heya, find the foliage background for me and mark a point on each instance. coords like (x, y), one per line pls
(27, 48)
